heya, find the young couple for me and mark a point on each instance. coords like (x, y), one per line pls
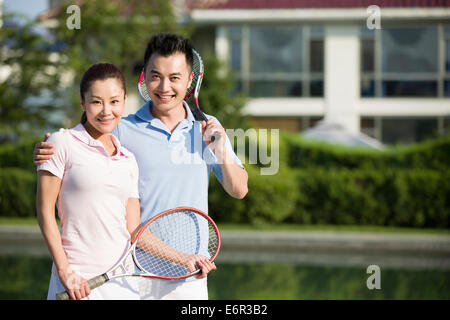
(108, 175)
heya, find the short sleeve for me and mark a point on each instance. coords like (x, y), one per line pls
(134, 192)
(215, 166)
(57, 164)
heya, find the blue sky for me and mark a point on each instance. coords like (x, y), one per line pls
(30, 8)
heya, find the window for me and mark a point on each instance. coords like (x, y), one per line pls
(405, 62)
(367, 62)
(446, 88)
(408, 130)
(369, 127)
(277, 61)
(393, 130)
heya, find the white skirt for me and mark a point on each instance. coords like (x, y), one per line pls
(158, 289)
(125, 288)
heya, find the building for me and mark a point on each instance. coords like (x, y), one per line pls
(380, 67)
(372, 66)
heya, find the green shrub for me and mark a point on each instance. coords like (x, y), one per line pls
(423, 199)
(18, 155)
(270, 199)
(316, 184)
(17, 193)
(432, 154)
(410, 198)
(222, 207)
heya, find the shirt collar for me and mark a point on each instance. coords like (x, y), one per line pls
(145, 114)
(81, 134)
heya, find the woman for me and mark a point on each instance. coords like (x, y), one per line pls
(94, 182)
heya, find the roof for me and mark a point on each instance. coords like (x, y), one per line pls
(276, 4)
(335, 133)
(306, 4)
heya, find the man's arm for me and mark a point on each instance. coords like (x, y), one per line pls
(235, 178)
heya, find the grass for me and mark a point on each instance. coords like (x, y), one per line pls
(18, 221)
(331, 228)
(280, 227)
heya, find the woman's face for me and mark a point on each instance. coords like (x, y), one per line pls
(103, 103)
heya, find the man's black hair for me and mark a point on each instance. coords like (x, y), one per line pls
(166, 44)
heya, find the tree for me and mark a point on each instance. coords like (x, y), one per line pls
(29, 74)
(218, 95)
(111, 31)
(114, 31)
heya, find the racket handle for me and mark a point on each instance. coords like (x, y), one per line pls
(195, 272)
(97, 281)
(93, 283)
(200, 116)
(63, 296)
(215, 136)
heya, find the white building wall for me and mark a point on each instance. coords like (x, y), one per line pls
(342, 81)
(341, 102)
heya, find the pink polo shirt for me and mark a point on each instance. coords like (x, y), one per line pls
(92, 200)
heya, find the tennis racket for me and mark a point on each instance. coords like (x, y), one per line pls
(192, 91)
(163, 245)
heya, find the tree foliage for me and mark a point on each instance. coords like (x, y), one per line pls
(30, 75)
(111, 31)
(114, 32)
(218, 97)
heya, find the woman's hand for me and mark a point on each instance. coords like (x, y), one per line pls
(194, 262)
(75, 284)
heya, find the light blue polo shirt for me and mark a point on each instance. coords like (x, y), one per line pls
(174, 168)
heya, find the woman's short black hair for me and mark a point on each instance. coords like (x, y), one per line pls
(166, 44)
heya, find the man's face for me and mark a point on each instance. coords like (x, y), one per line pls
(167, 80)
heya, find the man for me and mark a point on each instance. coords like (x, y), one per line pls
(174, 152)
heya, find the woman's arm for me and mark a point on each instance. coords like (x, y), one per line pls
(48, 186)
(133, 217)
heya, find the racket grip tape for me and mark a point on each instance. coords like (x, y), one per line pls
(200, 116)
(93, 283)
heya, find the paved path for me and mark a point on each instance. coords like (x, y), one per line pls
(301, 247)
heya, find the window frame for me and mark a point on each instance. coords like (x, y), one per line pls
(305, 77)
(378, 76)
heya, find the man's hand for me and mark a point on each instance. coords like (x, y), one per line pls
(43, 151)
(211, 128)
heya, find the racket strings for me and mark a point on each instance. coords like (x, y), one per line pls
(168, 241)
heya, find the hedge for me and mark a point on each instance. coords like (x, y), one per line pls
(408, 198)
(18, 155)
(270, 199)
(17, 193)
(405, 198)
(316, 184)
(432, 154)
